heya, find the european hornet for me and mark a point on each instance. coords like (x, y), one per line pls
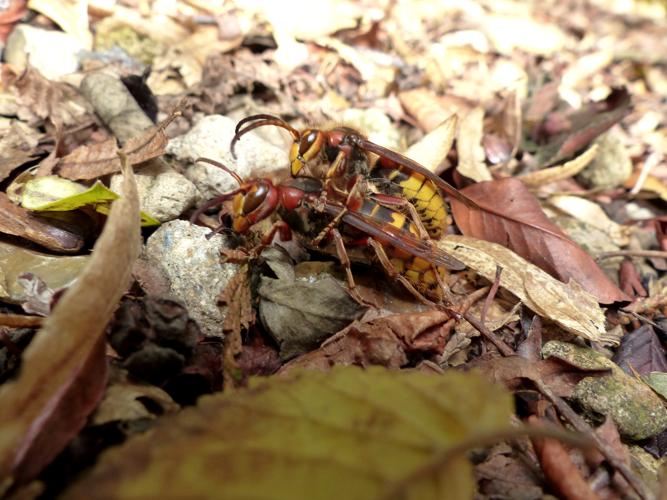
(341, 156)
(398, 241)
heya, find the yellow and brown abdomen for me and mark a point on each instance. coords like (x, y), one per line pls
(418, 271)
(422, 193)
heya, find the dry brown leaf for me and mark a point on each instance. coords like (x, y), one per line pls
(17, 221)
(64, 369)
(512, 216)
(41, 98)
(386, 341)
(432, 149)
(561, 172)
(591, 213)
(123, 401)
(90, 162)
(424, 105)
(568, 305)
(469, 147)
(650, 184)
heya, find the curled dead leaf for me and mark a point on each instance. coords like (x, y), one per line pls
(561, 172)
(510, 215)
(568, 305)
(64, 368)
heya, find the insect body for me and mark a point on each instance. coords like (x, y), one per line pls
(341, 155)
(395, 240)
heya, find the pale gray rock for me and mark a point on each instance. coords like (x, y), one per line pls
(612, 165)
(53, 53)
(193, 266)
(163, 193)
(210, 138)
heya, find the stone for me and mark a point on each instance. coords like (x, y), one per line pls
(637, 411)
(163, 193)
(210, 138)
(193, 266)
(52, 53)
(612, 165)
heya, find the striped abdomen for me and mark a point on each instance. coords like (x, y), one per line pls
(421, 192)
(418, 271)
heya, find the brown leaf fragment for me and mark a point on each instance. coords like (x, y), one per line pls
(504, 472)
(41, 98)
(580, 128)
(560, 377)
(9, 163)
(90, 162)
(18, 221)
(64, 369)
(511, 216)
(561, 472)
(641, 352)
(423, 104)
(387, 341)
(240, 315)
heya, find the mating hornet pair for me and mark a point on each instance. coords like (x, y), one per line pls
(393, 206)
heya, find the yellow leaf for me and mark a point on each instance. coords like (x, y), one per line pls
(350, 433)
(51, 193)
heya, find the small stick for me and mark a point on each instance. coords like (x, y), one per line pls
(651, 254)
(582, 426)
(491, 295)
(504, 349)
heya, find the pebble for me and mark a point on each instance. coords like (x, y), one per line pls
(210, 138)
(192, 264)
(52, 53)
(163, 193)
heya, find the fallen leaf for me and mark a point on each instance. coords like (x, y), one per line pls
(641, 352)
(12, 12)
(423, 104)
(593, 215)
(90, 162)
(55, 194)
(56, 271)
(70, 15)
(469, 147)
(300, 314)
(304, 432)
(582, 127)
(561, 172)
(433, 148)
(650, 184)
(503, 134)
(389, 341)
(559, 468)
(123, 401)
(41, 98)
(511, 216)
(17, 221)
(64, 369)
(568, 305)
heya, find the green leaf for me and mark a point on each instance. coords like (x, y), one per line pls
(51, 193)
(350, 433)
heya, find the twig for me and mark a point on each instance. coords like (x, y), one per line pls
(20, 320)
(491, 295)
(504, 349)
(441, 459)
(652, 161)
(651, 254)
(580, 425)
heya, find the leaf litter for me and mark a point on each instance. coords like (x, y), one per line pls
(557, 137)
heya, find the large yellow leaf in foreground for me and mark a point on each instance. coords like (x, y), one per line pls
(350, 433)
